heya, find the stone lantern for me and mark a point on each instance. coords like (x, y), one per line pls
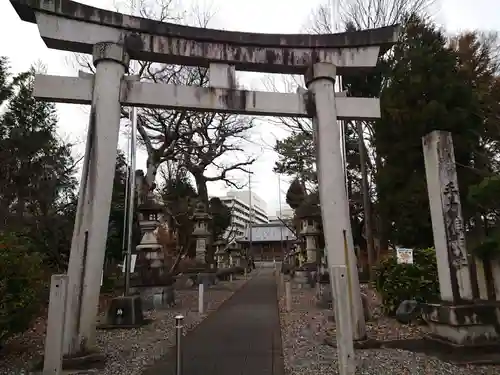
(291, 256)
(234, 255)
(309, 215)
(150, 259)
(309, 229)
(201, 233)
(220, 253)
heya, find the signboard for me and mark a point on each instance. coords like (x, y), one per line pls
(404, 256)
(133, 259)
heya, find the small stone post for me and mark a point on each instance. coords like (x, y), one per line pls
(54, 340)
(201, 298)
(288, 295)
(178, 344)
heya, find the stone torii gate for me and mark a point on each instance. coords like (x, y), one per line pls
(113, 39)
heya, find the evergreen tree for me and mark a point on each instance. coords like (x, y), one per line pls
(36, 172)
(116, 229)
(297, 157)
(37, 200)
(221, 217)
(425, 91)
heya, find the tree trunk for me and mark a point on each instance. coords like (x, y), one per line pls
(201, 186)
(382, 221)
(151, 169)
(366, 199)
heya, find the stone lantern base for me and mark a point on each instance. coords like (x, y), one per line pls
(468, 325)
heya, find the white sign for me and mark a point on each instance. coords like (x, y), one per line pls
(404, 256)
(132, 263)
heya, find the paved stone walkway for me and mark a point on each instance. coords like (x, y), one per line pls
(242, 338)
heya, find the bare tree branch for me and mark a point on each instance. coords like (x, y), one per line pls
(195, 140)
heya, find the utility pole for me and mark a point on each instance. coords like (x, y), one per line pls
(131, 198)
(281, 217)
(131, 189)
(366, 199)
(250, 225)
(125, 205)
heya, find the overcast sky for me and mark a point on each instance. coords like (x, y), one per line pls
(21, 43)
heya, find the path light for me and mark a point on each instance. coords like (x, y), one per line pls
(178, 344)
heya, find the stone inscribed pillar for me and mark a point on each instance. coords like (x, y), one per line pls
(446, 214)
(456, 320)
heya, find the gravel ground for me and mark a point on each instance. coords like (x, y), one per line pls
(128, 352)
(303, 331)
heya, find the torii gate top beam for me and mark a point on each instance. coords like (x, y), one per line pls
(71, 26)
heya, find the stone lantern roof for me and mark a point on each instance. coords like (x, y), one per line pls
(220, 242)
(150, 205)
(220, 245)
(310, 208)
(233, 247)
(200, 213)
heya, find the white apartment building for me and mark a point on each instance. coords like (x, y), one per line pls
(238, 202)
(286, 215)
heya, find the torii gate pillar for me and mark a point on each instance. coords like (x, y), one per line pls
(91, 222)
(320, 80)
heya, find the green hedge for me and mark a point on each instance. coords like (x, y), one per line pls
(21, 285)
(398, 282)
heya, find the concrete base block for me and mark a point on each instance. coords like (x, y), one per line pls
(304, 279)
(464, 325)
(366, 343)
(124, 312)
(157, 298)
(207, 279)
(84, 361)
(88, 362)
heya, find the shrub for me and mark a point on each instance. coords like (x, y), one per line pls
(398, 282)
(223, 274)
(21, 285)
(489, 248)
